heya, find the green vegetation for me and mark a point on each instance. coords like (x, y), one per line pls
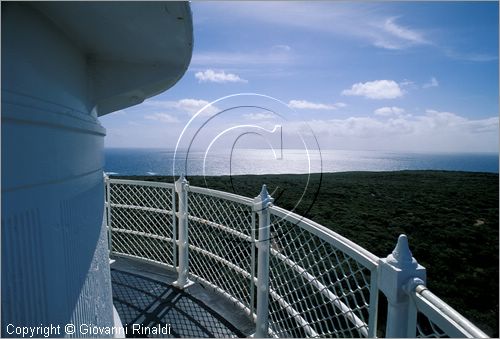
(451, 219)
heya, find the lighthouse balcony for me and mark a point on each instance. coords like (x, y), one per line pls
(193, 262)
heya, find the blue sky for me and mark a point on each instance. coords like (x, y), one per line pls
(417, 76)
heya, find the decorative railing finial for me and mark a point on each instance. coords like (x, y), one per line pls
(263, 200)
(401, 256)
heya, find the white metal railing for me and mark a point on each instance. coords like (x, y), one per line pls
(292, 276)
(438, 319)
(141, 220)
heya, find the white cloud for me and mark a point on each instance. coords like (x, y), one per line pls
(378, 89)
(434, 119)
(275, 56)
(403, 33)
(284, 48)
(432, 83)
(390, 35)
(135, 123)
(363, 21)
(407, 82)
(193, 106)
(210, 75)
(475, 57)
(259, 116)
(303, 104)
(360, 21)
(162, 117)
(190, 106)
(433, 131)
(388, 111)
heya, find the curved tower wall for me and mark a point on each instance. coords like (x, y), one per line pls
(64, 64)
(55, 267)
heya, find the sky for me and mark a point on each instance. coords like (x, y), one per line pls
(389, 76)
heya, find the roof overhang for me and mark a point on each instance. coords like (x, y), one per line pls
(134, 50)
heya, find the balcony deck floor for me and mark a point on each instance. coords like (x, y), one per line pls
(143, 295)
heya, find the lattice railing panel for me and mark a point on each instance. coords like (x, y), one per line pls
(144, 196)
(221, 211)
(153, 223)
(315, 284)
(427, 329)
(143, 247)
(219, 242)
(142, 221)
(230, 281)
(220, 238)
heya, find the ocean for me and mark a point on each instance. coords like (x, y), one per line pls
(125, 161)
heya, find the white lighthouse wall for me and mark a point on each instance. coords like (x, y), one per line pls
(55, 266)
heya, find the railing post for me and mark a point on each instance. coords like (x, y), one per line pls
(181, 187)
(252, 264)
(107, 210)
(398, 274)
(174, 228)
(261, 207)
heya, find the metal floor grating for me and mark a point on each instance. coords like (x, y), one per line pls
(149, 308)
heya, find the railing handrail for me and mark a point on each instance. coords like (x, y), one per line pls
(360, 254)
(141, 183)
(221, 194)
(142, 208)
(443, 315)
